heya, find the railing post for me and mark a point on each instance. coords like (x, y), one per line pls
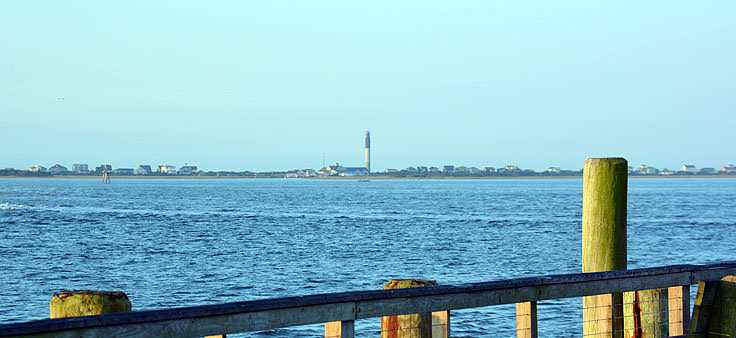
(714, 314)
(407, 326)
(341, 329)
(441, 324)
(604, 239)
(526, 320)
(646, 313)
(679, 308)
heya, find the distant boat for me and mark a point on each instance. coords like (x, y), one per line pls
(363, 180)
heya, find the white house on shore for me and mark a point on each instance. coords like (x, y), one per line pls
(167, 169)
(37, 169)
(338, 170)
(187, 170)
(58, 169)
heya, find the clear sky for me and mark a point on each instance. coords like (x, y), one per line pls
(272, 85)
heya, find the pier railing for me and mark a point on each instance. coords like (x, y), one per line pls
(346, 307)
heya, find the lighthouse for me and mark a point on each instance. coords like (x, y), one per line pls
(368, 150)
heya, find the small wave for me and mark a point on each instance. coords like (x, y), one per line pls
(10, 206)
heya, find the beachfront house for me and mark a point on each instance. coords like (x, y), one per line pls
(58, 169)
(167, 169)
(143, 169)
(37, 169)
(187, 170)
(80, 168)
(689, 168)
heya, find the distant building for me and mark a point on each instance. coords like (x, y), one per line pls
(187, 170)
(511, 168)
(647, 170)
(355, 171)
(474, 170)
(299, 173)
(489, 169)
(434, 170)
(730, 169)
(58, 169)
(143, 169)
(37, 169)
(422, 170)
(553, 170)
(331, 170)
(448, 169)
(707, 171)
(689, 168)
(666, 172)
(80, 168)
(167, 169)
(411, 170)
(123, 172)
(338, 170)
(461, 169)
(102, 167)
(391, 171)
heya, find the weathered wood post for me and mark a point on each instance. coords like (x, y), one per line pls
(415, 325)
(646, 313)
(526, 320)
(87, 303)
(605, 183)
(714, 314)
(679, 309)
(341, 329)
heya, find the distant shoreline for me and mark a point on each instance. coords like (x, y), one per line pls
(371, 177)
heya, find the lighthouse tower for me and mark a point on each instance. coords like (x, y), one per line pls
(368, 150)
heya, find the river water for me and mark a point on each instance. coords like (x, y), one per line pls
(183, 242)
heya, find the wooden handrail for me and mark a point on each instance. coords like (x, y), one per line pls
(265, 314)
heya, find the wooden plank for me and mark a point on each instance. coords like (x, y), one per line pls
(397, 306)
(703, 309)
(723, 320)
(340, 329)
(441, 324)
(679, 310)
(234, 323)
(526, 320)
(256, 315)
(646, 313)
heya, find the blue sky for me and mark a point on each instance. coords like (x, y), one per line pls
(272, 85)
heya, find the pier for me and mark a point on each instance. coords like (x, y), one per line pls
(347, 307)
(646, 302)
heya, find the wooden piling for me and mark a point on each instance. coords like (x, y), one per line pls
(714, 314)
(87, 303)
(646, 313)
(407, 326)
(605, 183)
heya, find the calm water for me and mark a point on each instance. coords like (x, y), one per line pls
(171, 242)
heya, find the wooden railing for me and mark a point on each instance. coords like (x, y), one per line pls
(346, 307)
